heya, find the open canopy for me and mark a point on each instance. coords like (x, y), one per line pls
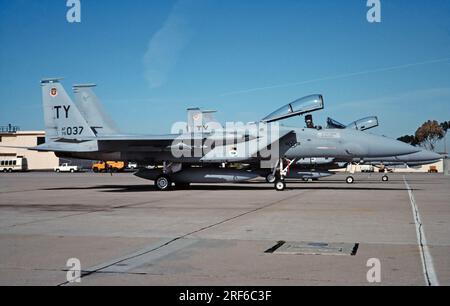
(364, 124)
(333, 124)
(298, 107)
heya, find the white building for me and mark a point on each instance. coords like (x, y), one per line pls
(14, 143)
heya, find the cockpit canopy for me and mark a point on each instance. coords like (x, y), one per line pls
(364, 124)
(333, 124)
(361, 124)
(298, 107)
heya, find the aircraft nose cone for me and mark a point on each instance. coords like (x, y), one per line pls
(428, 155)
(383, 146)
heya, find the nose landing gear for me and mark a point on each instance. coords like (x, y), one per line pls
(280, 185)
(280, 173)
(350, 180)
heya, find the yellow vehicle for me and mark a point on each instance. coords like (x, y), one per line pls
(433, 169)
(113, 166)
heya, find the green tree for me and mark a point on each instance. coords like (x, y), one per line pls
(429, 134)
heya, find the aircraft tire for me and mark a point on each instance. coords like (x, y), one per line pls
(270, 178)
(349, 180)
(163, 183)
(280, 185)
(385, 178)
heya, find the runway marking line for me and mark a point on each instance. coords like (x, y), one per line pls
(427, 260)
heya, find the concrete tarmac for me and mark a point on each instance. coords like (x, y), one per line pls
(124, 232)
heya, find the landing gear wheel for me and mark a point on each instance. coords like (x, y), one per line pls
(270, 178)
(280, 185)
(163, 183)
(350, 180)
(385, 178)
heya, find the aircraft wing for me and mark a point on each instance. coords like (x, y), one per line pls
(245, 151)
(115, 143)
(147, 143)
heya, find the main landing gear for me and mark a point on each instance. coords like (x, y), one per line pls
(280, 173)
(163, 182)
(271, 178)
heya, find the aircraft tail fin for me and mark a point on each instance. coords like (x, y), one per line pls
(62, 117)
(201, 121)
(93, 111)
(194, 120)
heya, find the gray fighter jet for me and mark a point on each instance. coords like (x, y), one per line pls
(196, 153)
(316, 168)
(422, 157)
(304, 168)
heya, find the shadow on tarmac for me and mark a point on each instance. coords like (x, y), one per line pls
(248, 187)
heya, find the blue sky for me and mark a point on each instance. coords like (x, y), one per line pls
(153, 59)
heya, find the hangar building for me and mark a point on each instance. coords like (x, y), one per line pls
(13, 140)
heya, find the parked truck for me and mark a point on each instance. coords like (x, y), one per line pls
(433, 169)
(113, 166)
(66, 168)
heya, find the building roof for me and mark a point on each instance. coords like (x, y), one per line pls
(24, 133)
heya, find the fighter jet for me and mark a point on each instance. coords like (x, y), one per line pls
(422, 157)
(316, 168)
(313, 169)
(196, 153)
